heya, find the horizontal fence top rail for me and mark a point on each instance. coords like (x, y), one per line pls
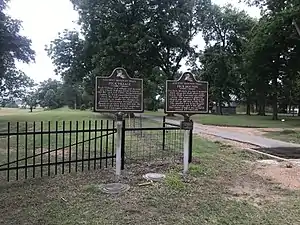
(172, 124)
(57, 131)
(59, 127)
(150, 128)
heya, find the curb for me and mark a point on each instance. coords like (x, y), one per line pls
(266, 154)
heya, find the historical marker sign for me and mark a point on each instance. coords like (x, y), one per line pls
(186, 95)
(119, 93)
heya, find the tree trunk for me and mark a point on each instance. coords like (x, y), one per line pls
(220, 100)
(248, 109)
(293, 110)
(275, 99)
(256, 106)
(261, 104)
(261, 109)
(275, 108)
(299, 110)
(220, 108)
(31, 108)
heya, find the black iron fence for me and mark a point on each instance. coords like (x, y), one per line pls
(32, 149)
(39, 149)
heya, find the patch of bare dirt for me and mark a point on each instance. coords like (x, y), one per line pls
(286, 173)
(255, 188)
(254, 192)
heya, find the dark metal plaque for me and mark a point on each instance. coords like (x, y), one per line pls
(186, 95)
(119, 93)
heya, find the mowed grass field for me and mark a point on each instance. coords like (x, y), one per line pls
(221, 188)
(241, 120)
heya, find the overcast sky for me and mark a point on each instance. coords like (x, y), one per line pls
(43, 19)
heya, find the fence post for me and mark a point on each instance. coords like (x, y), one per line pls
(141, 121)
(119, 144)
(123, 145)
(187, 126)
(186, 151)
(164, 133)
(191, 145)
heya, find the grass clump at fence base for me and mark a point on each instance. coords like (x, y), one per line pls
(208, 195)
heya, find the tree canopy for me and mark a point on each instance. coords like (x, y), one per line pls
(252, 61)
(13, 47)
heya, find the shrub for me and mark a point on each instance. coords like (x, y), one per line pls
(83, 107)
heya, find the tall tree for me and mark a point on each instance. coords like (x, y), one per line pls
(225, 32)
(13, 46)
(138, 35)
(275, 47)
(54, 100)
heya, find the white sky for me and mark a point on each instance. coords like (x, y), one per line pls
(43, 19)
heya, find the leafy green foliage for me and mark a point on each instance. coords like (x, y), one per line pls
(245, 60)
(30, 99)
(273, 52)
(50, 99)
(142, 36)
(13, 46)
(225, 33)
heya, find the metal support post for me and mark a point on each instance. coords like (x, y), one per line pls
(119, 144)
(187, 125)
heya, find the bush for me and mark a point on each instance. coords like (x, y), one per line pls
(83, 107)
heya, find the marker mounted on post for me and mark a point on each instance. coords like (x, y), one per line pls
(119, 94)
(186, 96)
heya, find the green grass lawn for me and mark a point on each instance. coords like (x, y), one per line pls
(292, 136)
(207, 196)
(241, 120)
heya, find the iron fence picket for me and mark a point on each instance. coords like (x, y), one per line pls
(76, 147)
(17, 154)
(82, 150)
(70, 147)
(95, 145)
(42, 144)
(89, 145)
(8, 148)
(101, 142)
